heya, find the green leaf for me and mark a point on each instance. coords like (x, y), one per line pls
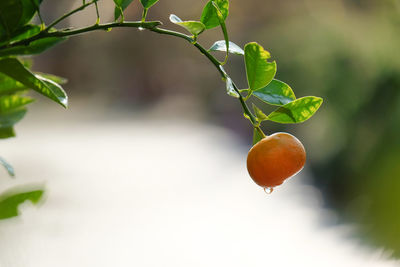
(14, 69)
(123, 4)
(259, 71)
(256, 136)
(34, 47)
(223, 28)
(221, 46)
(10, 201)
(209, 16)
(194, 27)
(148, 3)
(230, 89)
(10, 13)
(276, 93)
(8, 167)
(296, 111)
(259, 114)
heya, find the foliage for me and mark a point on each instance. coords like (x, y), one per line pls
(20, 38)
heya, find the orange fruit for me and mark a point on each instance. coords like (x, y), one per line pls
(275, 158)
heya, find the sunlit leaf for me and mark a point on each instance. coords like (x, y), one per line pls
(13, 68)
(221, 46)
(259, 71)
(194, 27)
(275, 93)
(54, 78)
(8, 85)
(8, 167)
(34, 47)
(230, 89)
(12, 102)
(296, 111)
(209, 16)
(10, 201)
(259, 113)
(148, 3)
(223, 28)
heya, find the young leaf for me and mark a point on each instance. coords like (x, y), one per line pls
(276, 93)
(256, 136)
(10, 201)
(14, 69)
(8, 167)
(194, 27)
(29, 8)
(34, 47)
(296, 111)
(120, 4)
(209, 16)
(148, 3)
(223, 28)
(259, 114)
(230, 89)
(221, 46)
(259, 71)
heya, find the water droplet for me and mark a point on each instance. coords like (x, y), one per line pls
(268, 190)
(140, 28)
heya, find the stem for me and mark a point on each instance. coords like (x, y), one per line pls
(97, 13)
(144, 14)
(151, 26)
(258, 129)
(69, 14)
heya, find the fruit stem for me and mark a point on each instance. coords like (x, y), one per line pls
(258, 129)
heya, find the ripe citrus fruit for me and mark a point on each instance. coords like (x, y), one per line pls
(275, 158)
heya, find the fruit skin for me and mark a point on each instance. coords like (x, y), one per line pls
(275, 158)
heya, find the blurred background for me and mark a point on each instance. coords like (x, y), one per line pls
(132, 92)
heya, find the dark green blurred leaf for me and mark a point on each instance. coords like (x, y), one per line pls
(7, 132)
(10, 13)
(296, 111)
(123, 4)
(221, 46)
(29, 8)
(256, 136)
(259, 71)
(8, 167)
(230, 89)
(259, 114)
(13, 68)
(34, 47)
(194, 27)
(148, 3)
(276, 93)
(209, 16)
(22, 33)
(10, 201)
(8, 120)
